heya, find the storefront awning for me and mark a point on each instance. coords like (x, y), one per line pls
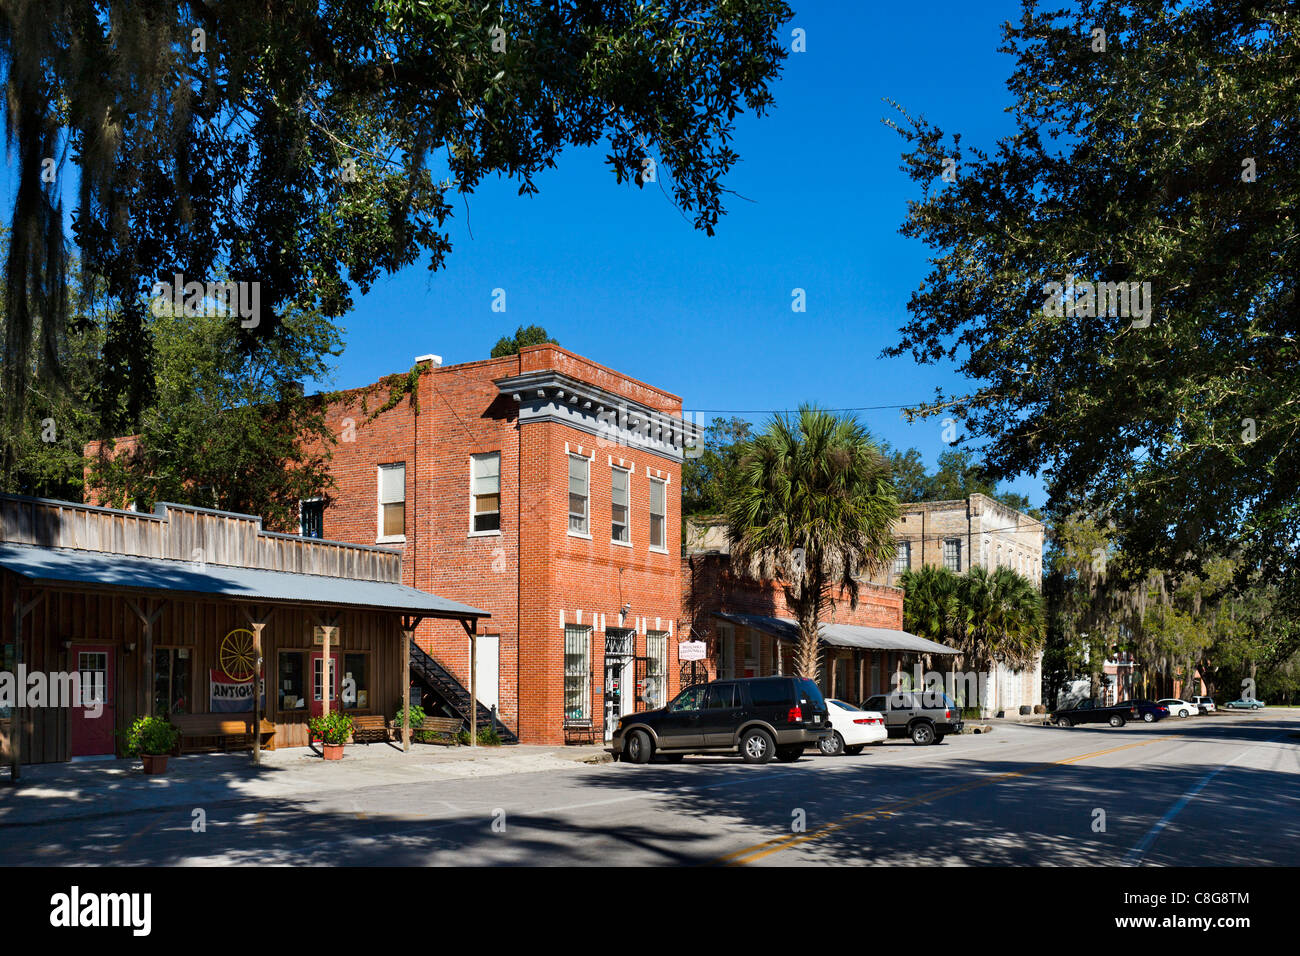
(841, 635)
(72, 567)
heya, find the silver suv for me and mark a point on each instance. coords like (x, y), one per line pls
(925, 716)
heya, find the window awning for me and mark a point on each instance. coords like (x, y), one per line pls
(72, 567)
(841, 635)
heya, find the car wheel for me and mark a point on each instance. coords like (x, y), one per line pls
(789, 754)
(922, 733)
(833, 745)
(1149, 717)
(757, 746)
(1229, 706)
(854, 750)
(1116, 720)
(638, 748)
(1063, 722)
(1184, 713)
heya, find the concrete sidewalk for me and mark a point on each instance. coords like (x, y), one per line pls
(99, 788)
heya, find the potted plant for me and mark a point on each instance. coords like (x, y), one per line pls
(332, 730)
(151, 739)
(415, 714)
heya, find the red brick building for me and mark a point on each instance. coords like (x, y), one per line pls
(750, 631)
(545, 489)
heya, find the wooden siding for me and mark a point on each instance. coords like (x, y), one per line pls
(189, 534)
(105, 617)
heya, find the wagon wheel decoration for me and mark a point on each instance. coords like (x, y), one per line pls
(236, 655)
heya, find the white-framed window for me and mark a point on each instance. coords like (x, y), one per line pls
(577, 672)
(658, 514)
(620, 505)
(952, 554)
(311, 517)
(485, 493)
(579, 495)
(903, 557)
(392, 502)
(656, 644)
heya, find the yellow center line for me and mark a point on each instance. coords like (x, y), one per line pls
(776, 845)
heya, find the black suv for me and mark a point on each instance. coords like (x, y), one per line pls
(757, 717)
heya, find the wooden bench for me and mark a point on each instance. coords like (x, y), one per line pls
(220, 727)
(579, 729)
(437, 730)
(368, 728)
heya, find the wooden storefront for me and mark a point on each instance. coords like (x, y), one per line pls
(161, 610)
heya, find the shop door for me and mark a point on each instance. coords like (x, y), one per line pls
(613, 697)
(316, 703)
(91, 721)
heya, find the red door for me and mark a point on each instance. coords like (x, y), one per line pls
(91, 720)
(315, 703)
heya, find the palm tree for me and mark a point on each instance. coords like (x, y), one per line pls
(812, 504)
(930, 602)
(999, 618)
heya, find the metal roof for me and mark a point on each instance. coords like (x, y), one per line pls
(841, 635)
(69, 566)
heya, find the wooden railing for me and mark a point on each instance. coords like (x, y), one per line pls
(182, 533)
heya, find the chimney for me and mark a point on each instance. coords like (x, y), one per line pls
(434, 360)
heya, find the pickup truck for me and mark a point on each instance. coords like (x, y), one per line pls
(1095, 712)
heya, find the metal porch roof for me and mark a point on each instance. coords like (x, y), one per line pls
(841, 635)
(69, 566)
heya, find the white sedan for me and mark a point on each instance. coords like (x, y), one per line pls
(853, 728)
(1177, 707)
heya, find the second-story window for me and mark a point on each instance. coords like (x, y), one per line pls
(579, 479)
(619, 506)
(903, 557)
(486, 492)
(658, 514)
(392, 501)
(952, 554)
(311, 518)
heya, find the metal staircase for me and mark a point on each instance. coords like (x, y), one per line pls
(451, 693)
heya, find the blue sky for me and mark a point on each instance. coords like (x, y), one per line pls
(617, 274)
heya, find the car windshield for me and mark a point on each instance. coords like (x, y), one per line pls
(842, 704)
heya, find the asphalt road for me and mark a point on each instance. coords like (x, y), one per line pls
(1212, 791)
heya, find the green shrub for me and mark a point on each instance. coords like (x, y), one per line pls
(488, 737)
(416, 713)
(151, 735)
(332, 728)
(462, 738)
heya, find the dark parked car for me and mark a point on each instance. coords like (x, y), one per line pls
(757, 717)
(925, 716)
(1117, 715)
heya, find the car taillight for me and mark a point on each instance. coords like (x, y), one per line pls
(795, 716)
(947, 715)
(864, 720)
(870, 720)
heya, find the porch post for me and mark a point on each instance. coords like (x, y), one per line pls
(473, 687)
(327, 671)
(408, 635)
(257, 690)
(18, 712)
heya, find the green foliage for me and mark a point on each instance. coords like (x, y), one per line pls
(1130, 165)
(988, 615)
(811, 504)
(150, 735)
(511, 344)
(313, 148)
(332, 728)
(415, 713)
(488, 737)
(229, 428)
(705, 476)
(958, 475)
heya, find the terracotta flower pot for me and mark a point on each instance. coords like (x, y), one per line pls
(154, 763)
(332, 751)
